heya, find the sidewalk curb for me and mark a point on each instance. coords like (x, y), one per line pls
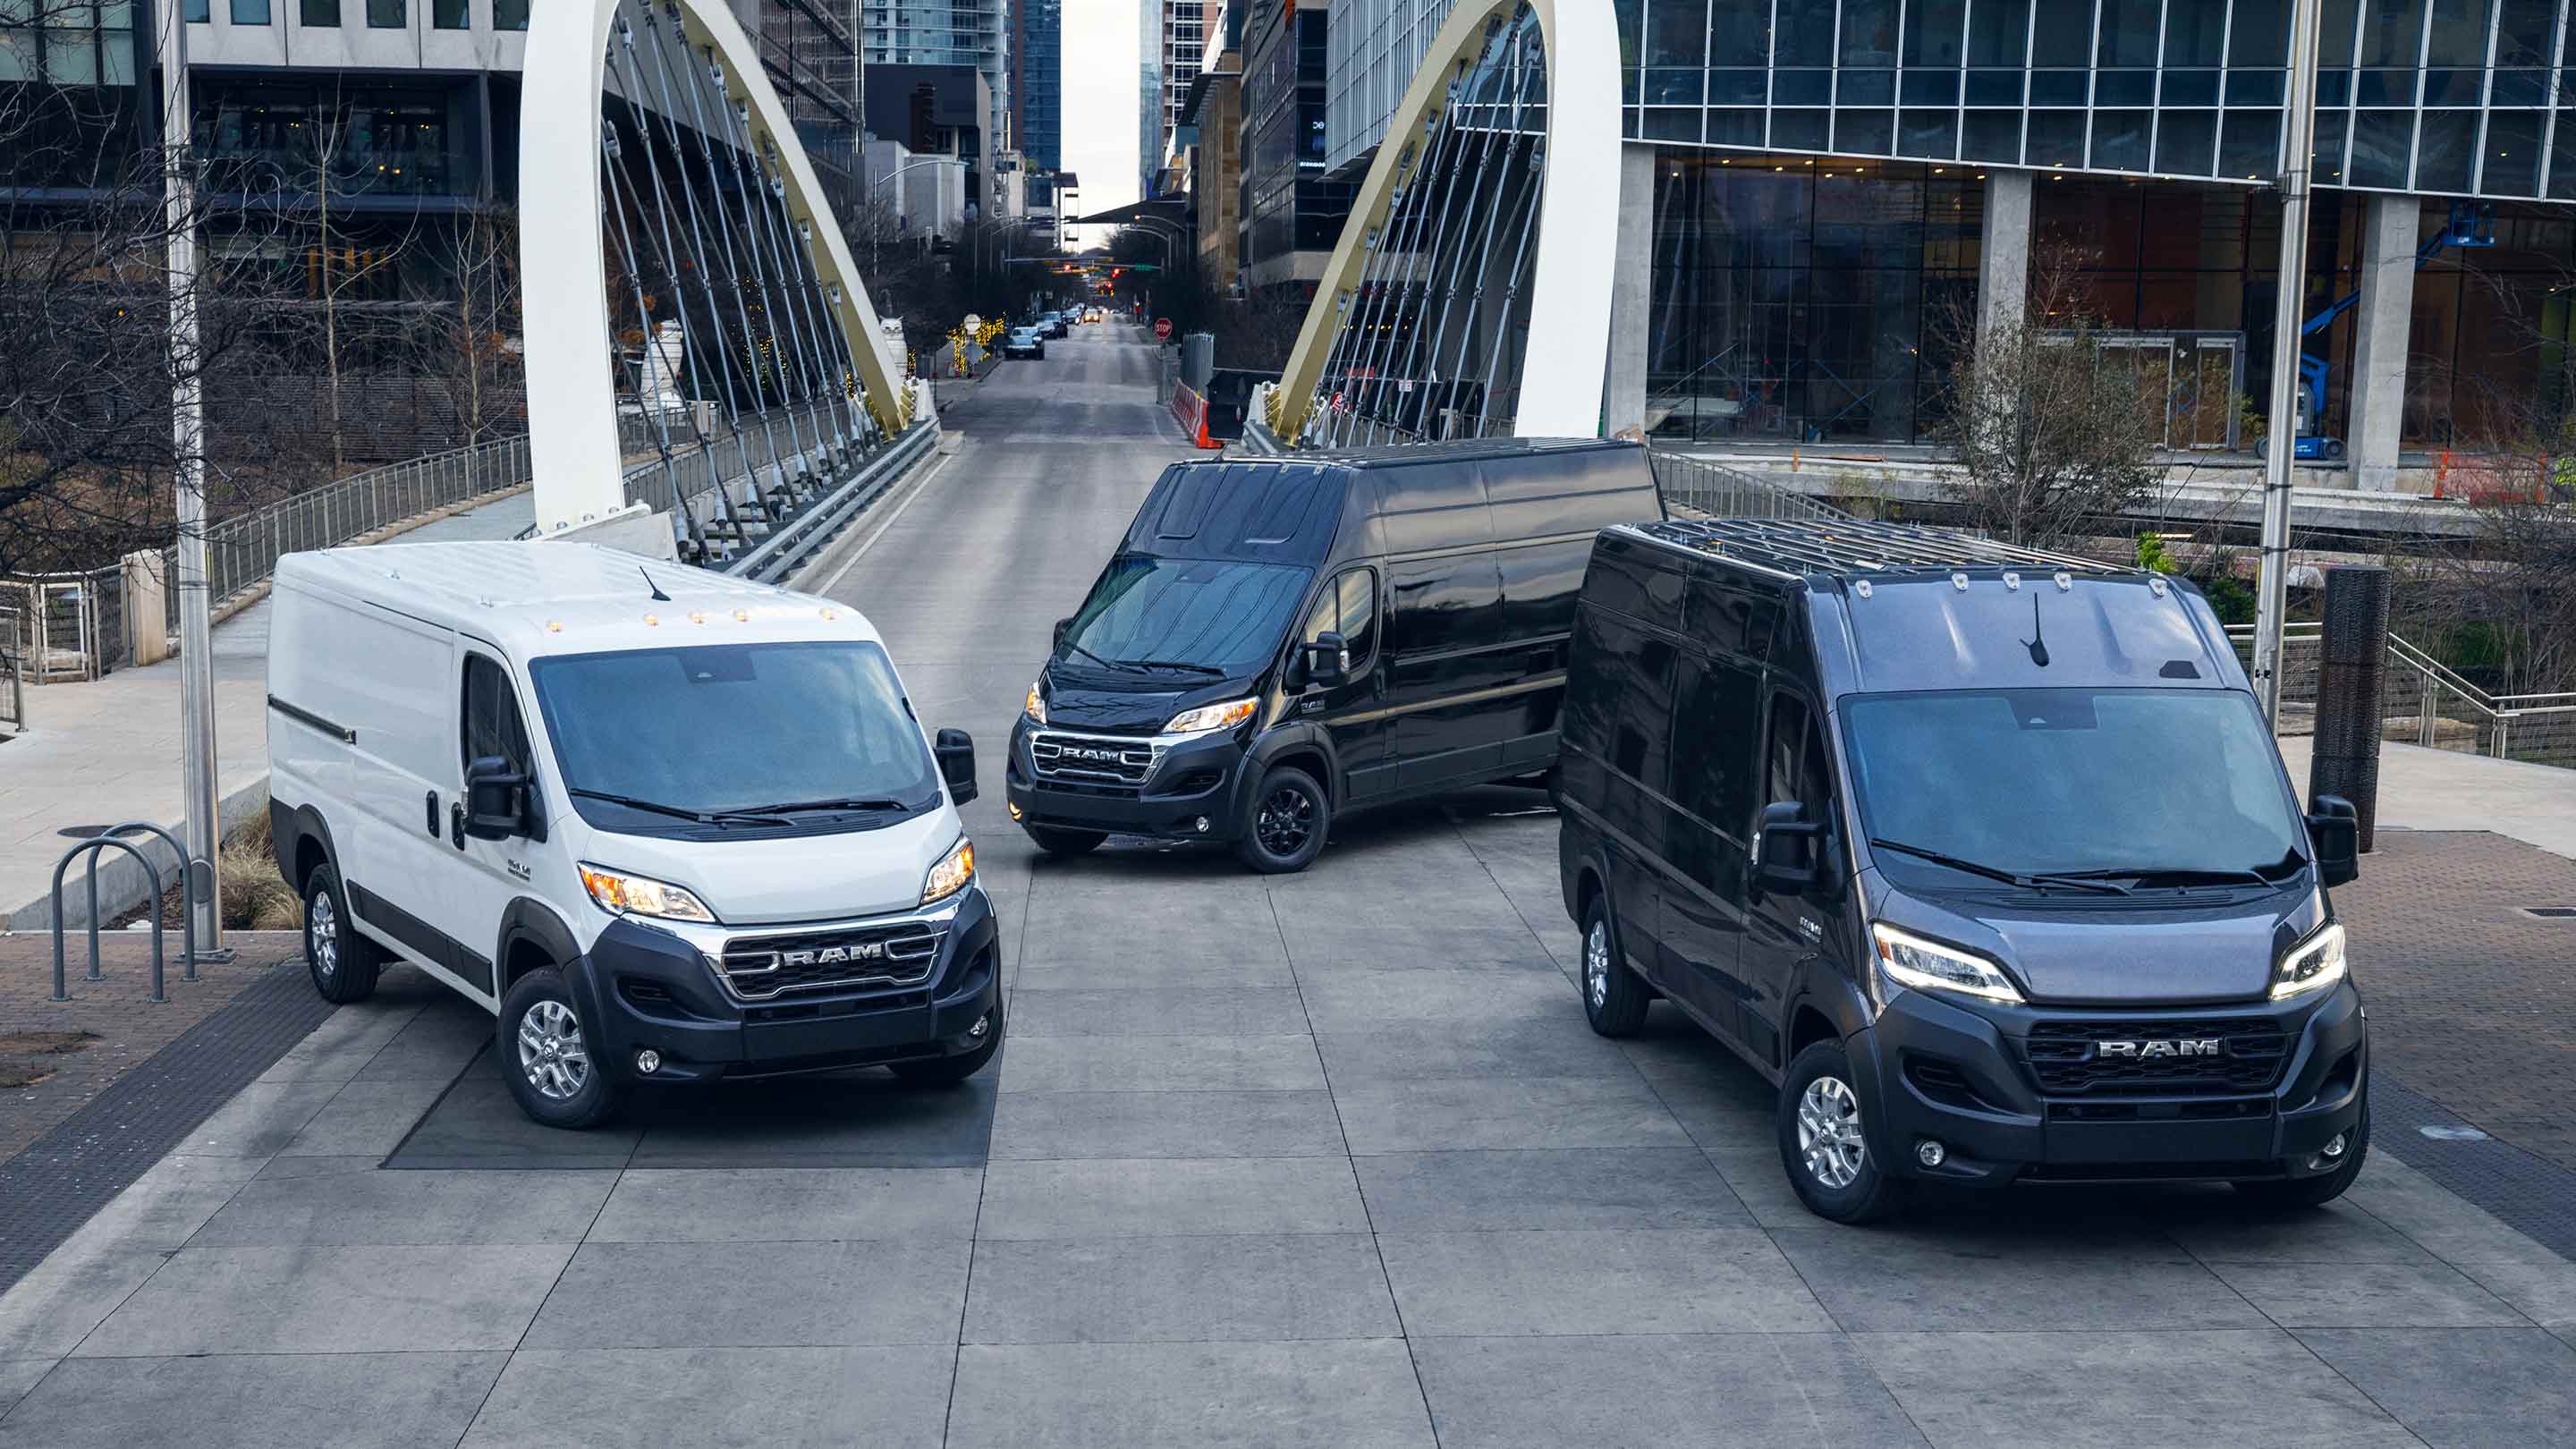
(122, 883)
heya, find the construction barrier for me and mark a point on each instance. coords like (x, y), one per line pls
(1190, 410)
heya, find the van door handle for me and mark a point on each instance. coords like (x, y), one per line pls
(433, 814)
(456, 823)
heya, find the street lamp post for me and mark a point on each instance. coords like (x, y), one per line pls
(957, 161)
(2282, 431)
(187, 435)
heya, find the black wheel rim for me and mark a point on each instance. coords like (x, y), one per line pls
(1286, 821)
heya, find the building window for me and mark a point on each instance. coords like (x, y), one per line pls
(250, 12)
(200, 12)
(509, 14)
(387, 15)
(451, 14)
(321, 14)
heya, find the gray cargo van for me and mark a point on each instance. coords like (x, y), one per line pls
(1279, 640)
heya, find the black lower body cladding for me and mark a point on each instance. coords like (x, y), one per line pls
(1197, 780)
(647, 988)
(2277, 1090)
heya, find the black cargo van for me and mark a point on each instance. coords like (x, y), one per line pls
(1279, 640)
(1983, 856)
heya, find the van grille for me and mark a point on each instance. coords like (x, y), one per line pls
(2067, 1058)
(1099, 760)
(759, 968)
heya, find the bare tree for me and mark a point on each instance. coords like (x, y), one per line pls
(2052, 429)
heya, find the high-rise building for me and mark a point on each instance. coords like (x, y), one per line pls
(1373, 49)
(949, 32)
(1292, 215)
(1037, 87)
(1172, 37)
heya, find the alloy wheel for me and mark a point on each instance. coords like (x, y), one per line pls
(1829, 1132)
(322, 935)
(551, 1052)
(1596, 964)
(1287, 818)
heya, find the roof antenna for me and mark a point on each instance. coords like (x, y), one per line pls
(2037, 643)
(662, 598)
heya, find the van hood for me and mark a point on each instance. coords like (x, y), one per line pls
(2129, 954)
(756, 881)
(1125, 704)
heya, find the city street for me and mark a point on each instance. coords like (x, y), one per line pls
(1325, 1159)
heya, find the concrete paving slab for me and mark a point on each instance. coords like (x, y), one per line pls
(166, 1206)
(63, 1299)
(1209, 1011)
(371, 1401)
(1136, 972)
(689, 1398)
(789, 1205)
(1887, 1282)
(1323, 1395)
(350, 1037)
(2194, 1387)
(856, 1119)
(230, 1300)
(2439, 1220)
(1415, 1051)
(1162, 1064)
(2222, 1229)
(1751, 1390)
(1457, 1113)
(477, 1124)
(1170, 1197)
(17, 1376)
(2470, 1388)
(366, 1119)
(2369, 1295)
(2545, 1293)
(1377, 943)
(434, 1045)
(1515, 1284)
(260, 1120)
(1568, 1188)
(426, 1208)
(1185, 1290)
(1362, 1001)
(756, 1295)
(1043, 1125)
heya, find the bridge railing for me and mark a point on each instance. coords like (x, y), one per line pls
(2426, 702)
(1723, 492)
(725, 485)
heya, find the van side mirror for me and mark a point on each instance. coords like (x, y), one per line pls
(955, 751)
(1063, 627)
(1328, 658)
(496, 799)
(1785, 850)
(2334, 837)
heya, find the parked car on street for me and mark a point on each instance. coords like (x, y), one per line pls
(1278, 641)
(1023, 342)
(665, 825)
(1983, 856)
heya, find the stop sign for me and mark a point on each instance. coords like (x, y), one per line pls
(1163, 328)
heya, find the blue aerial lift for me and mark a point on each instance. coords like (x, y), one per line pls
(2472, 224)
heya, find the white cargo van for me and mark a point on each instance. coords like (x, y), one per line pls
(667, 826)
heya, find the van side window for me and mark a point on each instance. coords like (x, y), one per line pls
(1714, 756)
(492, 724)
(1796, 759)
(1349, 608)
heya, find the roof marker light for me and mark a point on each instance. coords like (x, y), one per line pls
(743, 616)
(2156, 586)
(554, 626)
(1861, 587)
(652, 621)
(2012, 583)
(697, 617)
(2064, 582)
(831, 613)
(1959, 582)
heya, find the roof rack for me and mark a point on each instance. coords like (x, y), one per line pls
(1848, 547)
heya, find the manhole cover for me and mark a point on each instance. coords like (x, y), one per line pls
(2551, 913)
(82, 832)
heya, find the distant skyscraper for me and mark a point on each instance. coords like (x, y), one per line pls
(949, 32)
(1174, 43)
(1037, 84)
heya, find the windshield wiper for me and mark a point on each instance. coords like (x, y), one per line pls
(2178, 874)
(1176, 664)
(1991, 872)
(677, 812)
(796, 806)
(1094, 658)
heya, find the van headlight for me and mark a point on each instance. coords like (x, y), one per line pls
(621, 894)
(2313, 965)
(1911, 961)
(952, 873)
(1034, 706)
(1212, 717)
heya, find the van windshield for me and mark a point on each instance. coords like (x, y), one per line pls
(1222, 616)
(791, 732)
(2181, 783)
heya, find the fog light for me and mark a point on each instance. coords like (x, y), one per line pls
(1930, 1154)
(1202, 825)
(982, 1025)
(2333, 1151)
(648, 1061)
(1015, 811)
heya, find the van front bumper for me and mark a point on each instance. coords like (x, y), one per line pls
(1934, 1070)
(1185, 779)
(646, 987)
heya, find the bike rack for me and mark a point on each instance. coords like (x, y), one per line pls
(190, 885)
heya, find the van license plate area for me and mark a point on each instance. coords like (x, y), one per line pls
(2160, 1140)
(826, 1035)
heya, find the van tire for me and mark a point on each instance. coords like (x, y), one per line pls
(1614, 997)
(342, 961)
(1056, 840)
(1285, 822)
(1870, 1193)
(594, 1098)
(948, 1071)
(2286, 1194)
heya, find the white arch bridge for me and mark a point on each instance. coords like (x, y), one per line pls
(706, 374)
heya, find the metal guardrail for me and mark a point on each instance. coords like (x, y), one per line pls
(788, 548)
(2430, 704)
(1724, 492)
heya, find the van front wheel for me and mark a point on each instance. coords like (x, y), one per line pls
(1288, 819)
(1821, 1143)
(551, 1062)
(343, 961)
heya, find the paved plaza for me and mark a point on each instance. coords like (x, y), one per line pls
(1329, 1159)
